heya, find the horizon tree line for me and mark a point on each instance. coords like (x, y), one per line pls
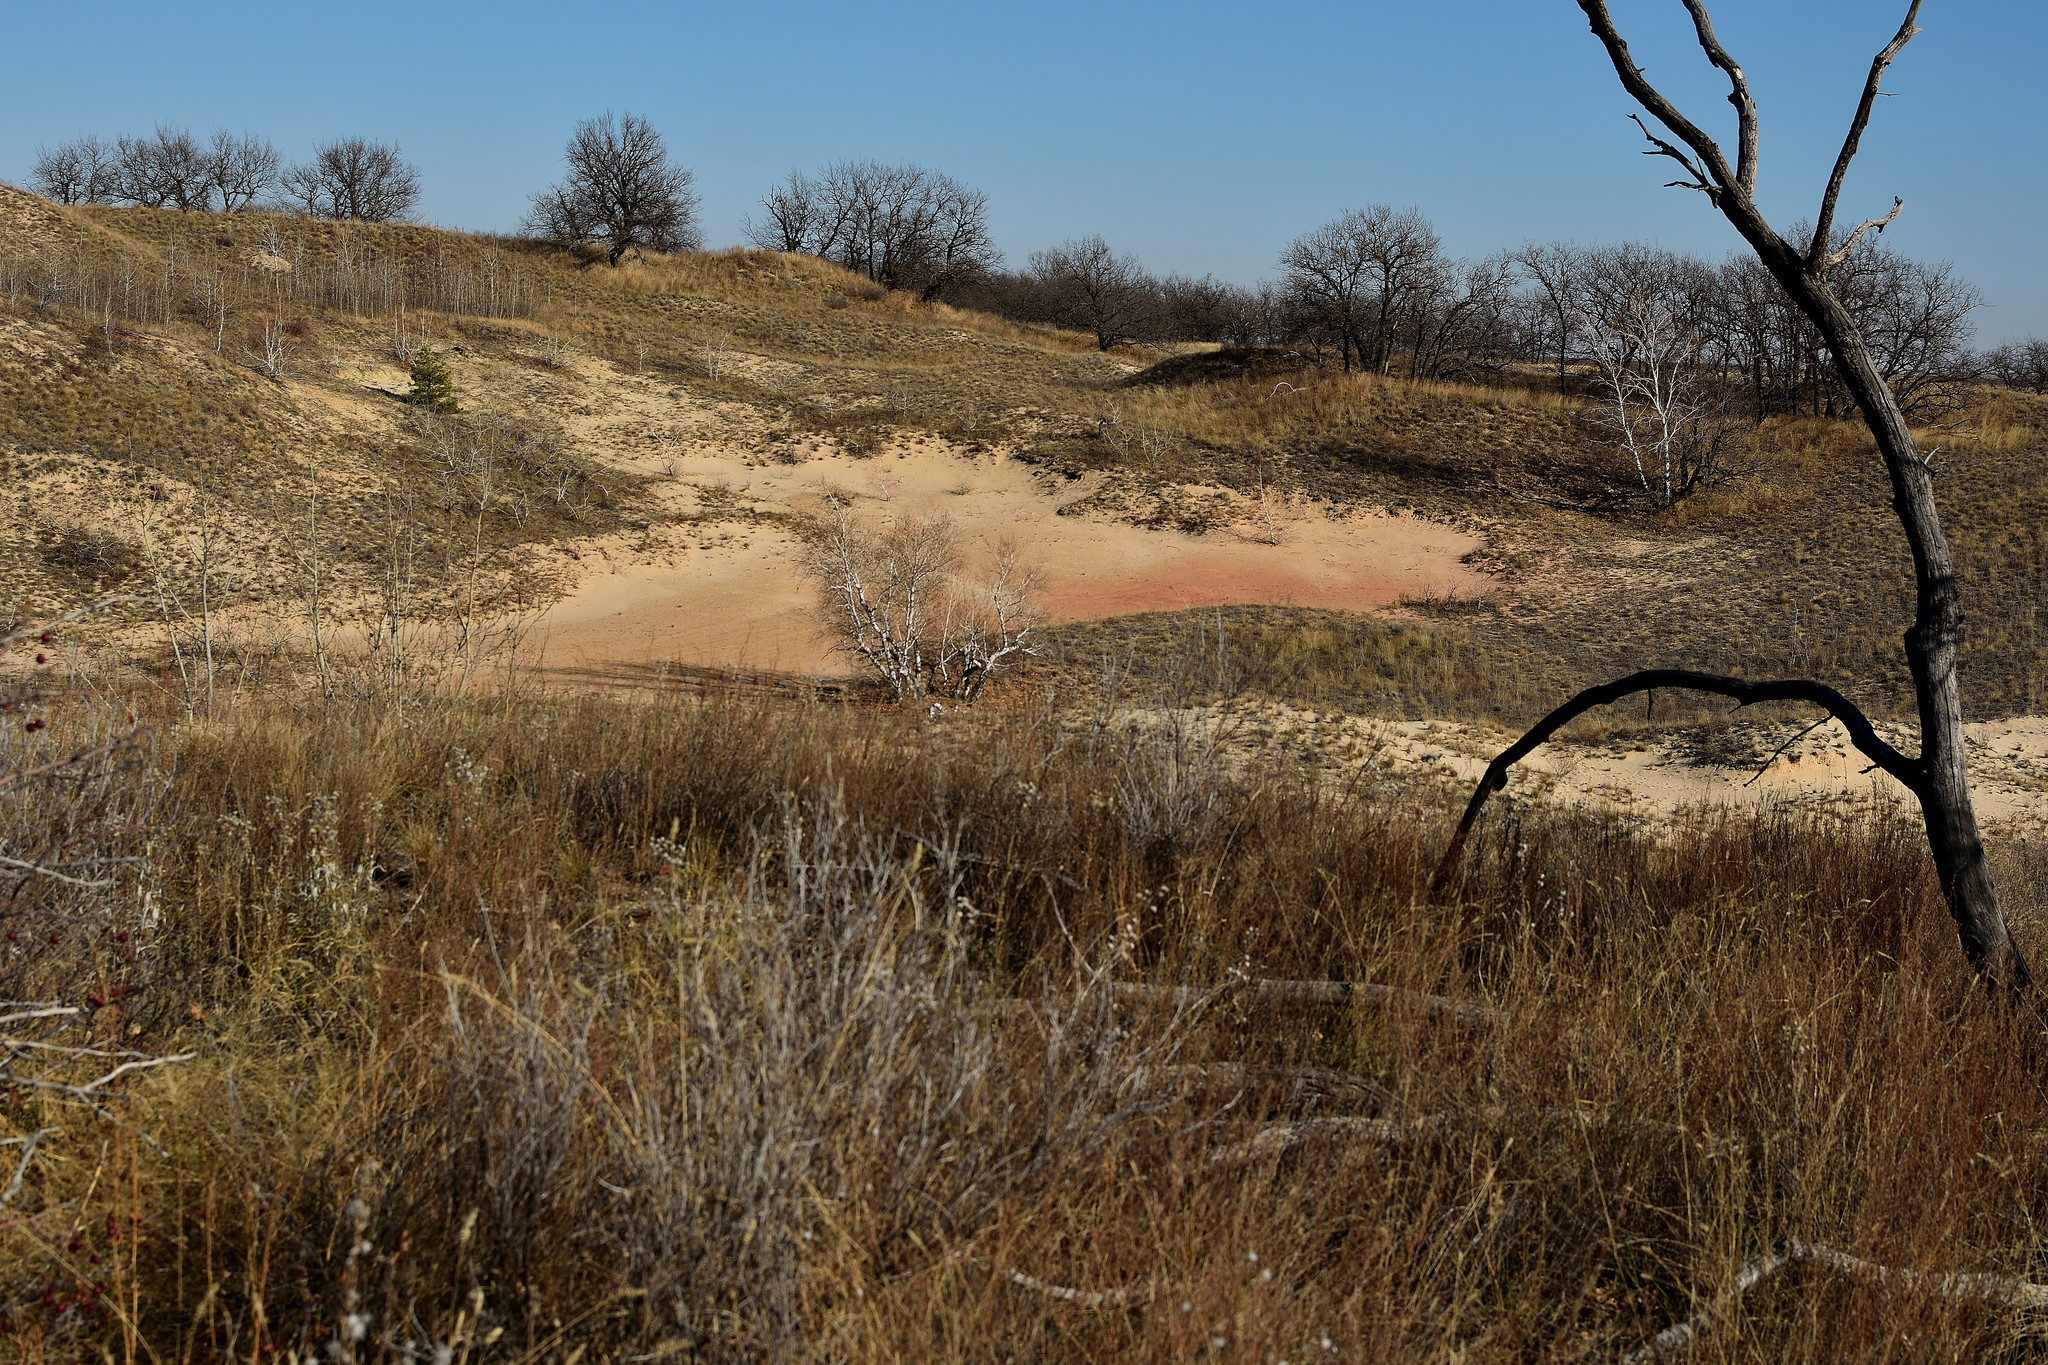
(1371, 289)
(347, 178)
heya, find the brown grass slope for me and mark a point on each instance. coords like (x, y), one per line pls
(128, 401)
(549, 1029)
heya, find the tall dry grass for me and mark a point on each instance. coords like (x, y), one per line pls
(540, 1027)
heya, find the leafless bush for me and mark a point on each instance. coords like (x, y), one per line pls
(827, 1068)
(898, 600)
(1171, 781)
(92, 552)
(78, 908)
(270, 346)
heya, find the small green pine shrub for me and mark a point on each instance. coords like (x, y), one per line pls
(432, 386)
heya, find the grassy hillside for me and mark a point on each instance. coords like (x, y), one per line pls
(138, 413)
(754, 1023)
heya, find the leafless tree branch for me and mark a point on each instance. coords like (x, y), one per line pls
(1738, 95)
(1676, 1340)
(1911, 772)
(1818, 259)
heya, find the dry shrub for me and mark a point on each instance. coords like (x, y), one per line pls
(759, 1030)
(93, 554)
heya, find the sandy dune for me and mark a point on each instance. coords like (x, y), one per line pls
(723, 589)
(1657, 777)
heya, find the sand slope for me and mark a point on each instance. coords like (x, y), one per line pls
(720, 585)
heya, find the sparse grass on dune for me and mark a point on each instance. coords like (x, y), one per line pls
(539, 1024)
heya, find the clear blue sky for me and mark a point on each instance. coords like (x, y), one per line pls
(1200, 135)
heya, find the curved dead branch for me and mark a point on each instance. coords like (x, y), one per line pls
(1744, 691)
(1676, 1340)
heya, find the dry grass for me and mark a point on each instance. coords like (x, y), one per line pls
(752, 1029)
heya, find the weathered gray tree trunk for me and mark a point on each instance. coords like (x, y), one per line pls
(1938, 777)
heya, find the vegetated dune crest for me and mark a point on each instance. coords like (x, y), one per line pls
(720, 585)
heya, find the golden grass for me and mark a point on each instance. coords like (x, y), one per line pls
(547, 1028)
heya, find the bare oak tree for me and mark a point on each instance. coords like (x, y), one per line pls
(622, 193)
(2019, 364)
(1938, 776)
(166, 169)
(904, 227)
(354, 178)
(1361, 270)
(1085, 284)
(239, 170)
(84, 170)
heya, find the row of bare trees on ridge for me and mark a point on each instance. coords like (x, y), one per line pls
(1373, 288)
(347, 178)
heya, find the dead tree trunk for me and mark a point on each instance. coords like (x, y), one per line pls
(1938, 777)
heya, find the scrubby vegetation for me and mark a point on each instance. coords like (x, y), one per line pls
(364, 1001)
(540, 1027)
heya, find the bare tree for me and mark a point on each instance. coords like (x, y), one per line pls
(904, 227)
(797, 219)
(1557, 269)
(354, 178)
(1915, 318)
(239, 170)
(1656, 397)
(1207, 309)
(1362, 270)
(896, 599)
(621, 193)
(1462, 319)
(1089, 286)
(85, 170)
(167, 169)
(1938, 776)
(2019, 364)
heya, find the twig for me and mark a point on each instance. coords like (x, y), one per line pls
(28, 1151)
(1328, 993)
(1681, 1337)
(87, 1091)
(53, 874)
(1783, 747)
(40, 1012)
(1244, 1076)
(1084, 1298)
(1276, 1138)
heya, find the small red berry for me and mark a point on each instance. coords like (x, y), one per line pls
(41, 659)
(121, 938)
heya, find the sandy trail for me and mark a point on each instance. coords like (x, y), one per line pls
(720, 587)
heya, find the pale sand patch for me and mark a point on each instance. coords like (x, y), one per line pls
(729, 592)
(2008, 764)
